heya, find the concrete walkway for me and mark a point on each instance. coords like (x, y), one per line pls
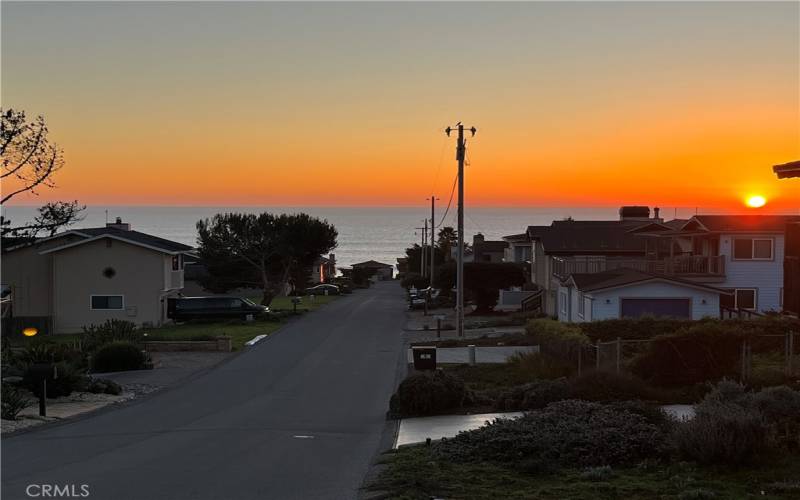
(482, 354)
(418, 429)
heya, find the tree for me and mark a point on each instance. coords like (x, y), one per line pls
(28, 161)
(260, 250)
(414, 256)
(483, 280)
(448, 238)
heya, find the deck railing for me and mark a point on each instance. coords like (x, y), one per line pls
(683, 265)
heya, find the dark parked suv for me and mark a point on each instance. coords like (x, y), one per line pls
(185, 308)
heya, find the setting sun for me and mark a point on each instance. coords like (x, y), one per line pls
(756, 201)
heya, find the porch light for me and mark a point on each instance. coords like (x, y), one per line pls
(30, 331)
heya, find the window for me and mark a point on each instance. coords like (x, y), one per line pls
(752, 249)
(745, 298)
(109, 302)
(581, 304)
(176, 262)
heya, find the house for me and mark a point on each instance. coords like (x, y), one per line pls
(743, 254)
(628, 293)
(791, 270)
(379, 270)
(518, 248)
(566, 247)
(323, 270)
(487, 251)
(87, 276)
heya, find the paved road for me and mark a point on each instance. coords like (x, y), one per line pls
(300, 416)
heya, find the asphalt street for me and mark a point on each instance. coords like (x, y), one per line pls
(298, 416)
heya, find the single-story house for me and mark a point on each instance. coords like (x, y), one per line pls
(628, 293)
(86, 276)
(377, 269)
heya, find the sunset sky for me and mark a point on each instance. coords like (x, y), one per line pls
(676, 104)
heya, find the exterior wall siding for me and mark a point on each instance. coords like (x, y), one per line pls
(606, 304)
(765, 276)
(78, 274)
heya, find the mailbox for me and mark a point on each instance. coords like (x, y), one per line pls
(43, 371)
(424, 357)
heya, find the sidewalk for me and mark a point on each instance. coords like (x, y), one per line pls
(482, 354)
(418, 429)
(170, 368)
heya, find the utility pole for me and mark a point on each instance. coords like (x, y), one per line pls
(461, 150)
(433, 236)
(423, 253)
(422, 250)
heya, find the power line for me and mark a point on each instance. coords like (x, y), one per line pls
(450, 202)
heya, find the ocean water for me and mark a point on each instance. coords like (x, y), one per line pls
(365, 233)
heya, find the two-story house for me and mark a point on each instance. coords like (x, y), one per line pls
(86, 276)
(743, 254)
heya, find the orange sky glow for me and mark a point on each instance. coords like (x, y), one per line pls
(691, 112)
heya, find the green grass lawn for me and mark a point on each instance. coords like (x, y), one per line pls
(285, 303)
(415, 472)
(240, 332)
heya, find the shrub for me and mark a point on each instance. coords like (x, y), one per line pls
(610, 386)
(721, 434)
(596, 474)
(630, 328)
(113, 330)
(104, 386)
(534, 395)
(428, 393)
(707, 351)
(118, 356)
(14, 401)
(567, 434)
(68, 379)
(538, 366)
(560, 340)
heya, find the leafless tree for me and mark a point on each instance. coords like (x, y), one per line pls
(28, 161)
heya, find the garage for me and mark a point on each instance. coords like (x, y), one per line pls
(670, 307)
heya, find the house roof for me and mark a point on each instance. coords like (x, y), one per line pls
(489, 246)
(589, 237)
(516, 237)
(616, 278)
(372, 263)
(133, 237)
(740, 223)
(786, 170)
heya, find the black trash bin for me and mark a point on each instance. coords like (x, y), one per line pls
(424, 357)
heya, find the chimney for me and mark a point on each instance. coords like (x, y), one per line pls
(118, 224)
(478, 238)
(657, 214)
(639, 213)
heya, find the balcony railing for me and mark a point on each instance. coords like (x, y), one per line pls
(683, 265)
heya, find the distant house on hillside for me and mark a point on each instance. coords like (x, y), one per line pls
(377, 269)
(86, 276)
(323, 270)
(627, 293)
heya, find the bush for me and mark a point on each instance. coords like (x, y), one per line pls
(597, 474)
(533, 396)
(118, 356)
(104, 386)
(14, 401)
(537, 366)
(721, 434)
(69, 379)
(560, 340)
(566, 434)
(113, 330)
(611, 386)
(707, 351)
(428, 393)
(414, 280)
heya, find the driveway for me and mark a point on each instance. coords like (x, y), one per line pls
(299, 416)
